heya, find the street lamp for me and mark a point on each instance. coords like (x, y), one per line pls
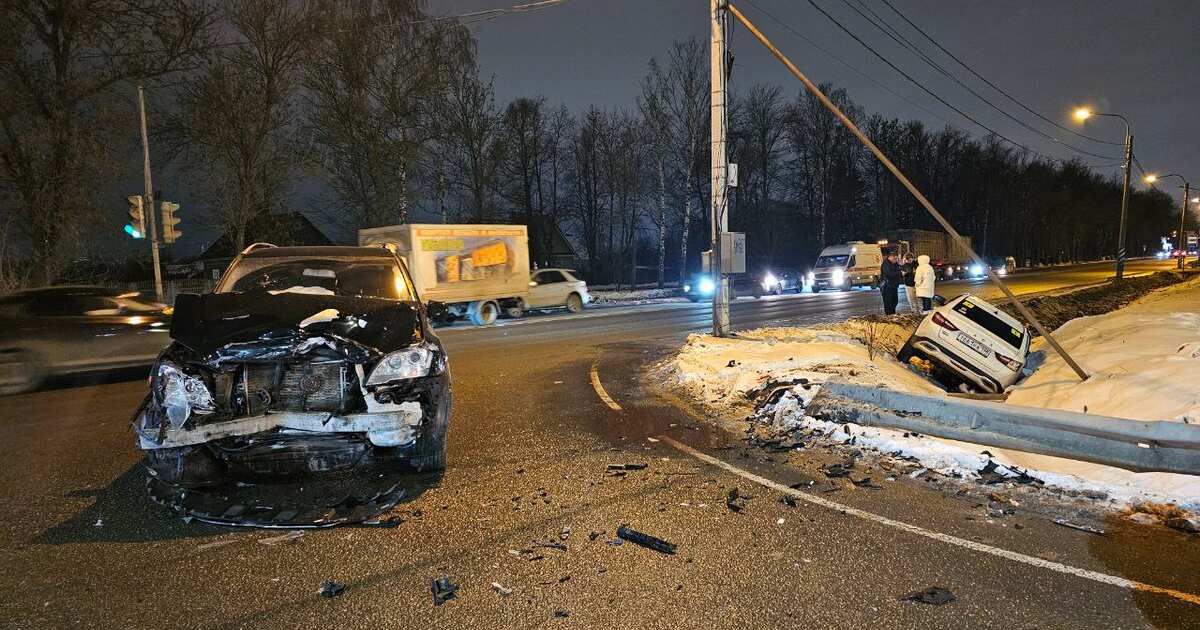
(1081, 115)
(1187, 191)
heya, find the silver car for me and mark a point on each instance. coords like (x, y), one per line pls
(63, 330)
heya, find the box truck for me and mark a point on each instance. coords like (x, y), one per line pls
(477, 271)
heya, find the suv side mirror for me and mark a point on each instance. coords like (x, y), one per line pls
(437, 311)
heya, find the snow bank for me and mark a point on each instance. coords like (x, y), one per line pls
(639, 296)
(719, 371)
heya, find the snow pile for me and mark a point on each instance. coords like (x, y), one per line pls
(639, 296)
(1143, 362)
(721, 371)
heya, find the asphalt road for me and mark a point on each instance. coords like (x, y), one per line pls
(529, 443)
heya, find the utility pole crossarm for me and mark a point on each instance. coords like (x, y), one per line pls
(862, 137)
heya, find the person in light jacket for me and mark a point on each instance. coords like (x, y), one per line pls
(923, 281)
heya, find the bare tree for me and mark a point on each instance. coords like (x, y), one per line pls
(656, 92)
(238, 119)
(471, 147)
(687, 109)
(67, 70)
(373, 89)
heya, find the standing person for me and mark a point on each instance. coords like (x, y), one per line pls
(890, 278)
(924, 278)
(909, 267)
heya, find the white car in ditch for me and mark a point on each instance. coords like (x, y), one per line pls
(971, 344)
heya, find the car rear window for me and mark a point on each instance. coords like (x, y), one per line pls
(1012, 336)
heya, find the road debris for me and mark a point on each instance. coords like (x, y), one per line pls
(561, 614)
(735, 501)
(285, 539)
(839, 469)
(330, 589)
(934, 595)
(443, 590)
(1083, 528)
(865, 482)
(645, 540)
(593, 535)
(1189, 525)
(565, 533)
(504, 592)
(993, 473)
(788, 500)
(385, 523)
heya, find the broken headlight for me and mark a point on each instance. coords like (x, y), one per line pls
(408, 363)
(182, 395)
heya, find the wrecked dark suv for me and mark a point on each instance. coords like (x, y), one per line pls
(304, 362)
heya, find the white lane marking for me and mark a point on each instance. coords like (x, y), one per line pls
(1096, 576)
(600, 391)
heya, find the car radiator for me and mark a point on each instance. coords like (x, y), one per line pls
(286, 386)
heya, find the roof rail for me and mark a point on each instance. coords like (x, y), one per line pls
(254, 246)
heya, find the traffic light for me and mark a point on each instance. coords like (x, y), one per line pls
(137, 220)
(169, 221)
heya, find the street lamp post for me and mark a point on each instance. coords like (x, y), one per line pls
(1187, 193)
(1083, 114)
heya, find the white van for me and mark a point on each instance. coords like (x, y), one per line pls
(844, 267)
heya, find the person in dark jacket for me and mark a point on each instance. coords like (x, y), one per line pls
(891, 276)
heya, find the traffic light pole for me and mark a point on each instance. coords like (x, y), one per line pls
(148, 198)
(720, 168)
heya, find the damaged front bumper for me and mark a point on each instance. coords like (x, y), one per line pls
(386, 428)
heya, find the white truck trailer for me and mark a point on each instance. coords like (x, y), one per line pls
(477, 271)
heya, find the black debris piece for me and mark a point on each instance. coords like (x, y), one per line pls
(1189, 525)
(990, 475)
(865, 482)
(732, 363)
(839, 469)
(550, 545)
(645, 540)
(735, 501)
(386, 523)
(631, 466)
(788, 500)
(330, 589)
(934, 595)
(561, 614)
(594, 535)
(616, 542)
(1083, 528)
(443, 590)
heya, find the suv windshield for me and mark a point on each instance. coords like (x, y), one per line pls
(991, 323)
(351, 277)
(833, 261)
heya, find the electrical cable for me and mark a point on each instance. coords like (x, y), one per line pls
(989, 83)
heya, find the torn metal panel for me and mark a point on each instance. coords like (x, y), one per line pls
(386, 427)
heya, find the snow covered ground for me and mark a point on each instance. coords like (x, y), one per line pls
(638, 296)
(1144, 360)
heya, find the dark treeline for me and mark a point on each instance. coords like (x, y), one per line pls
(383, 106)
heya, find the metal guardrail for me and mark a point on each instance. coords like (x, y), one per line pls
(1140, 446)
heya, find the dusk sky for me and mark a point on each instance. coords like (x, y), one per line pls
(1136, 59)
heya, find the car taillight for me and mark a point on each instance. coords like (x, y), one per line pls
(1009, 362)
(941, 320)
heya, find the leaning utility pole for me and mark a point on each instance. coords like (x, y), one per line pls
(149, 197)
(720, 168)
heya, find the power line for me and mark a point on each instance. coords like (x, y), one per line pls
(989, 83)
(904, 42)
(910, 79)
(829, 54)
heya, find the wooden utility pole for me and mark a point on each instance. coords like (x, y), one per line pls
(720, 168)
(148, 198)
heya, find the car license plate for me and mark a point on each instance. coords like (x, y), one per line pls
(973, 343)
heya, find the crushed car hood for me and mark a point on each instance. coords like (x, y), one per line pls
(206, 323)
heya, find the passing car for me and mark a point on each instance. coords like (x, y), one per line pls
(972, 345)
(304, 362)
(777, 281)
(701, 286)
(60, 330)
(553, 288)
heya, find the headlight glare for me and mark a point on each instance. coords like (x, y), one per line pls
(707, 286)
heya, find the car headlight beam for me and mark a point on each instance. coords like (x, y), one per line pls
(707, 286)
